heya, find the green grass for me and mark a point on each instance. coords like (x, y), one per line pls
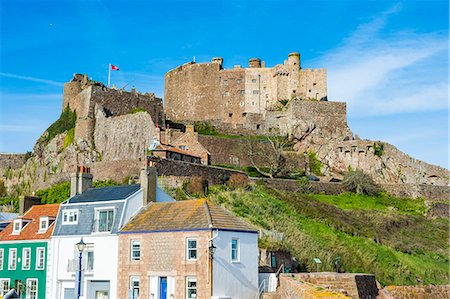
(401, 248)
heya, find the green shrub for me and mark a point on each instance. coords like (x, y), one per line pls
(65, 122)
(69, 138)
(361, 183)
(204, 128)
(138, 109)
(55, 194)
(315, 166)
(378, 149)
(252, 172)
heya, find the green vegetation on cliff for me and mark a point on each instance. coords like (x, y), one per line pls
(65, 122)
(386, 236)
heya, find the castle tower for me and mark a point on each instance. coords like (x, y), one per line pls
(254, 63)
(294, 61)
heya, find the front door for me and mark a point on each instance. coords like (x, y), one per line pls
(163, 288)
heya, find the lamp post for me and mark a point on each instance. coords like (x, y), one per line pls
(80, 246)
(212, 249)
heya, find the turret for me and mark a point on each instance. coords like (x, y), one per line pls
(294, 60)
(254, 63)
(218, 60)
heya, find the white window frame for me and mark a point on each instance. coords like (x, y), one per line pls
(237, 249)
(90, 248)
(38, 258)
(135, 278)
(132, 250)
(24, 250)
(11, 261)
(2, 290)
(189, 279)
(46, 221)
(15, 222)
(2, 258)
(28, 289)
(97, 219)
(188, 258)
(68, 213)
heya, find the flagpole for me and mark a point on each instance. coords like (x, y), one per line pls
(109, 75)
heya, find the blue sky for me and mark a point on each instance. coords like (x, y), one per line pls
(387, 59)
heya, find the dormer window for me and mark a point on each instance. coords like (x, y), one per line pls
(43, 224)
(70, 217)
(18, 225)
(104, 220)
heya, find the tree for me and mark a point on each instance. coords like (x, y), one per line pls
(359, 182)
(272, 155)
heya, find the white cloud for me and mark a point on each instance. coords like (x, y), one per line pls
(32, 79)
(378, 73)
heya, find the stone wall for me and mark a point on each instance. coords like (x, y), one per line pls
(291, 287)
(12, 161)
(123, 137)
(416, 292)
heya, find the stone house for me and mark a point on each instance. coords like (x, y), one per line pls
(95, 215)
(25, 254)
(187, 249)
(173, 153)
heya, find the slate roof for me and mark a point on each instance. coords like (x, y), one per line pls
(7, 216)
(185, 215)
(169, 148)
(31, 230)
(105, 194)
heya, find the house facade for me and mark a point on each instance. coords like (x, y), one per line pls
(187, 249)
(95, 215)
(24, 252)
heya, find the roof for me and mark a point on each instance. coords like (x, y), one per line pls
(185, 215)
(105, 194)
(31, 230)
(169, 148)
(7, 216)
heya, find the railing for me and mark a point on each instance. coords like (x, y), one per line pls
(261, 289)
(272, 285)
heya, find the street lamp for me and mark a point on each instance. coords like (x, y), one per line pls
(80, 246)
(212, 249)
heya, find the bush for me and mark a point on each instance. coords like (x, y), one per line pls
(378, 149)
(55, 194)
(138, 109)
(238, 180)
(65, 122)
(196, 186)
(252, 172)
(304, 186)
(361, 183)
(69, 138)
(315, 166)
(204, 128)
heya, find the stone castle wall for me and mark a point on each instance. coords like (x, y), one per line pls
(12, 161)
(416, 292)
(238, 99)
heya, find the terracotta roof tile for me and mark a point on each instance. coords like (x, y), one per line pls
(165, 147)
(31, 230)
(185, 215)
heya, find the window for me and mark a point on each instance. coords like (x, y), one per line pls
(4, 287)
(241, 104)
(40, 258)
(230, 114)
(32, 288)
(105, 219)
(235, 250)
(135, 250)
(26, 258)
(17, 226)
(70, 217)
(238, 81)
(191, 249)
(43, 224)
(242, 91)
(183, 147)
(253, 103)
(2, 256)
(256, 92)
(12, 259)
(90, 260)
(225, 82)
(191, 287)
(253, 80)
(134, 286)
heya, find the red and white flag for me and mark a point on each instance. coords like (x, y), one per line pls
(114, 68)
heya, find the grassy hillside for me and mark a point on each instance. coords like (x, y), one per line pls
(382, 235)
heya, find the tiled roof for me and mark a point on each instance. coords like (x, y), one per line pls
(105, 194)
(169, 148)
(185, 215)
(31, 230)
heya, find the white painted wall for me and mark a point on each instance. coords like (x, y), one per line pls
(235, 280)
(105, 263)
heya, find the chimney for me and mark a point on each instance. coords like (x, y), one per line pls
(80, 181)
(190, 129)
(149, 181)
(168, 136)
(25, 203)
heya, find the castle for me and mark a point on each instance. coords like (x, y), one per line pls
(253, 100)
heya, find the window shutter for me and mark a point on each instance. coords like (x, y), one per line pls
(154, 287)
(171, 286)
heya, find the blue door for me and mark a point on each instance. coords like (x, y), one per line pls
(163, 288)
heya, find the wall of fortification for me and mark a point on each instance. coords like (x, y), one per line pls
(12, 161)
(191, 92)
(410, 292)
(123, 137)
(292, 288)
(232, 96)
(312, 84)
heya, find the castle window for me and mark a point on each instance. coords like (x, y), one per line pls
(253, 103)
(257, 127)
(238, 81)
(225, 82)
(264, 88)
(226, 93)
(267, 96)
(256, 92)
(314, 84)
(293, 91)
(242, 91)
(183, 147)
(253, 80)
(241, 104)
(244, 114)
(309, 90)
(230, 114)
